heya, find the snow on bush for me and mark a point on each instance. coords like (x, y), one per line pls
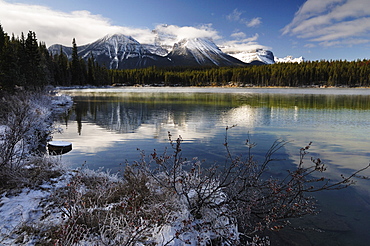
(162, 199)
(26, 126)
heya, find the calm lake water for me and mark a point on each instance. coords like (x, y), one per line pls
(108, 126)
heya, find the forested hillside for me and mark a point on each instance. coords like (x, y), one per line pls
(329, 73)
(26, 63)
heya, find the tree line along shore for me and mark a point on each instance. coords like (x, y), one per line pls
(163, 198)
(27, 63)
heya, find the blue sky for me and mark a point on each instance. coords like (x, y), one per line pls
(314, 29)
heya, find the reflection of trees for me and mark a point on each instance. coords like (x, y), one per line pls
(311, 101)
(124, 113)
(125, 116)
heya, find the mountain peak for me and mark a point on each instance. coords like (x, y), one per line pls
(118, 51)
(255, 56)
(201, 44)
(289, 59)
(201, 51)
(119, 37)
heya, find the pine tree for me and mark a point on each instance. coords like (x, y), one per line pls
(46, 64)
(34, 74)
(5, 81)
(3, 37)
(91, 70)
(63, 75)
(75, 64)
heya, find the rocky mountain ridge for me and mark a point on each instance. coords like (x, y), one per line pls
(118, 51)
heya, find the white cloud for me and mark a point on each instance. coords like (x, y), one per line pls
(347, 42)
(238, 35)
(242, 45)
(332, 22)
(170, 34)
(254, 22)
(53, 26)
(310, 45)
(236, 16)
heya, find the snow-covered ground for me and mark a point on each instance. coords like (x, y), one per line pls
(46, 207)
(29, 207)
(35, 209)
(20, 207)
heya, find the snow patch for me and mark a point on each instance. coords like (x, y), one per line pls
(60, 143)
(289, 59)
(27, 207)
(265, 56)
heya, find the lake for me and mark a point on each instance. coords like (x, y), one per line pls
(108, 126)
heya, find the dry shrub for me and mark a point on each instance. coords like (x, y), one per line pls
(114, 211)
(24, 129)
(238, 194)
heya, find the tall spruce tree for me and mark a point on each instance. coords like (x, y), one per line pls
(34, 73)
(2, 47)
(91, 70)
(3, 38)
(62, 75)
(75, 65)
(9, 57)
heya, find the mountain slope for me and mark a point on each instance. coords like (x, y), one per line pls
(118, 51)
(289, 59)
(258, 56)
(198, 51)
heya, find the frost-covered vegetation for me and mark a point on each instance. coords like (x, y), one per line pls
(161, 199)
(26, 124)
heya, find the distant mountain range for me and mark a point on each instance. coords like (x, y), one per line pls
(289, 59)
(257, 57)
(119, 51)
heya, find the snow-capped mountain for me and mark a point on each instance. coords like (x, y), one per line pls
(258, 56)
(57, 48)
(289, 59)
(156, 49)
(118, 51)
(200, 51)
(262, 56)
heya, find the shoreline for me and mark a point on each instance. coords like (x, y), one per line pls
(214, 89)
(210, 86)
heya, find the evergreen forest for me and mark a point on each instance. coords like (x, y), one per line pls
(27, 63)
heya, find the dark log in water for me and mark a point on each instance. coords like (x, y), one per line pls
(59, 147)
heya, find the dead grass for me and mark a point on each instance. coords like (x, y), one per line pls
(117, 211)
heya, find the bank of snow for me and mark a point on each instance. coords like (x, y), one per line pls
(30, 215)
(29, 208)
(47, 204)
(25, 181)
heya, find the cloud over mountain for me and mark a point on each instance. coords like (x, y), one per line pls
(332, 22)
(170, 34)
(241, 43)
(51, 25)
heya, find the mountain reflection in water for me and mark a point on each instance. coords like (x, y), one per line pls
(107, 126)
